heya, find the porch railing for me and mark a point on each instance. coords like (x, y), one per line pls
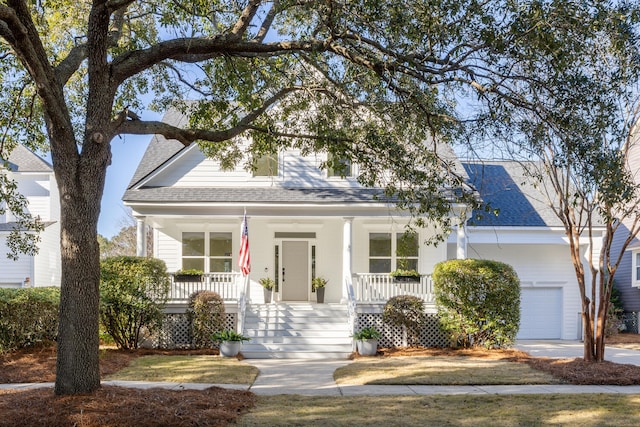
(227, 285)
(375, 287)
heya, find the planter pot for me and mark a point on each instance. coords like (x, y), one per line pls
(267, 295)
(230, 348)
(367, 347)
(405, 279)
(320, 295)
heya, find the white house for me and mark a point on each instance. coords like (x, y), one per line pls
(304, 223)
(36, 181)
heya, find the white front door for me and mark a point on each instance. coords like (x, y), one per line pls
(295, 271)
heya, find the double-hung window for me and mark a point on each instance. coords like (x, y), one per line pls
(391, 251)
(207, 251)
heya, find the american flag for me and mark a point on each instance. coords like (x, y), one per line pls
(244, 260)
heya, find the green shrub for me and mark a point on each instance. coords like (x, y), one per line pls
(478, 302)
(368, 333)
(28, 316)
(206, 316)
(407, 312)
(133, 291)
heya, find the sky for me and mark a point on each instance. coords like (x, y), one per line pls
(127, 151)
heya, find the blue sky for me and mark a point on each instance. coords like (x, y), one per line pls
(127, 151)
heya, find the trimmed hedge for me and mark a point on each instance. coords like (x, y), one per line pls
(206, 316)
(28, 316)
(478, 302)
(133, 291)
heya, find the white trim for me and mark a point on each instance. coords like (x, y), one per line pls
(635, 280)
(167, 163)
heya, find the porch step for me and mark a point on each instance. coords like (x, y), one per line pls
(297, 330)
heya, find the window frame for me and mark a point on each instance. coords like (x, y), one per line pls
(394, 236)
(207, 257)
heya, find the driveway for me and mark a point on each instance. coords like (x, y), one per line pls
(573, 349)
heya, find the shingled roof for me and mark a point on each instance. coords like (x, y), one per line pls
(504, 186)
(21, 159)
(255, 194)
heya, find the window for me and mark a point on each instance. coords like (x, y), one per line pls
(340, 167)
(379, 252)
(266, 165)
(636, 269)
(220, 248)
(387, 254)
(216, 254)
(193, 251)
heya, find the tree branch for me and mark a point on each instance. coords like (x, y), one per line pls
(267, 22)
(245, 19)
(186, 136)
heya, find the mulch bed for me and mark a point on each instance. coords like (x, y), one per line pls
(117, 406)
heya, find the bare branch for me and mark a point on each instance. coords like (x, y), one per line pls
(268, 21)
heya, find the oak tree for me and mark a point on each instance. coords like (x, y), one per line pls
(378, 82)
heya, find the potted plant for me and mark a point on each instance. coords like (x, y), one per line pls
(367, 341)
(318, 284)
(267, 287)
(401, 275)
(188, 275)
(230, 342)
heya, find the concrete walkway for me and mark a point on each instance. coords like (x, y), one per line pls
(315, 377)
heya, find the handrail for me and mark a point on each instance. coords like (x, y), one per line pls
(242, 304)
(351, 303)
(376, 287)
(224, 284)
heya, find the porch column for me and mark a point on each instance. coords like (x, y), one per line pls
(461, 232)
(347, 239)
(141, 240)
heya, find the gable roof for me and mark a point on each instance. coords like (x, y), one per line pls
(21, 159)
(160, 150)
(504, 186)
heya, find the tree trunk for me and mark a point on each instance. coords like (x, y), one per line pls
(78, 339)
(80, 180)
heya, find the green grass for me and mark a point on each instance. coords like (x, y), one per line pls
(584, 410)
(434, 370)
(192, 369)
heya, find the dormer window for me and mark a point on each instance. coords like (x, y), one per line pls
(338, 167)
(266, 165)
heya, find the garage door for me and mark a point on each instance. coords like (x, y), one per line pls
(540, 313)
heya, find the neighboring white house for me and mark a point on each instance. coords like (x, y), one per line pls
(37, 183)
(304, 223)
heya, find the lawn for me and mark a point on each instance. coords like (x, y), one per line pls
(187, 369)
(439, 370)
(584, 410)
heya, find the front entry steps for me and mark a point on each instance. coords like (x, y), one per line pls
(297, 331)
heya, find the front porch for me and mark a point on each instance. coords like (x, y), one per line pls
(295, 329)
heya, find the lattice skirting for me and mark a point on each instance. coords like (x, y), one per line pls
(176, 331)
(630, 320)
(392, 336)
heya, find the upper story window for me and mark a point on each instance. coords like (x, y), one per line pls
(391, 251)
(266, 165)
(207, 251)
(340, 167)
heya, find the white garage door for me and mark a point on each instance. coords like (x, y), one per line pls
(540, 313)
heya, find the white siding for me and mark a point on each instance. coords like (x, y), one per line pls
(47, 268)
(13, 272)
(193, 169)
